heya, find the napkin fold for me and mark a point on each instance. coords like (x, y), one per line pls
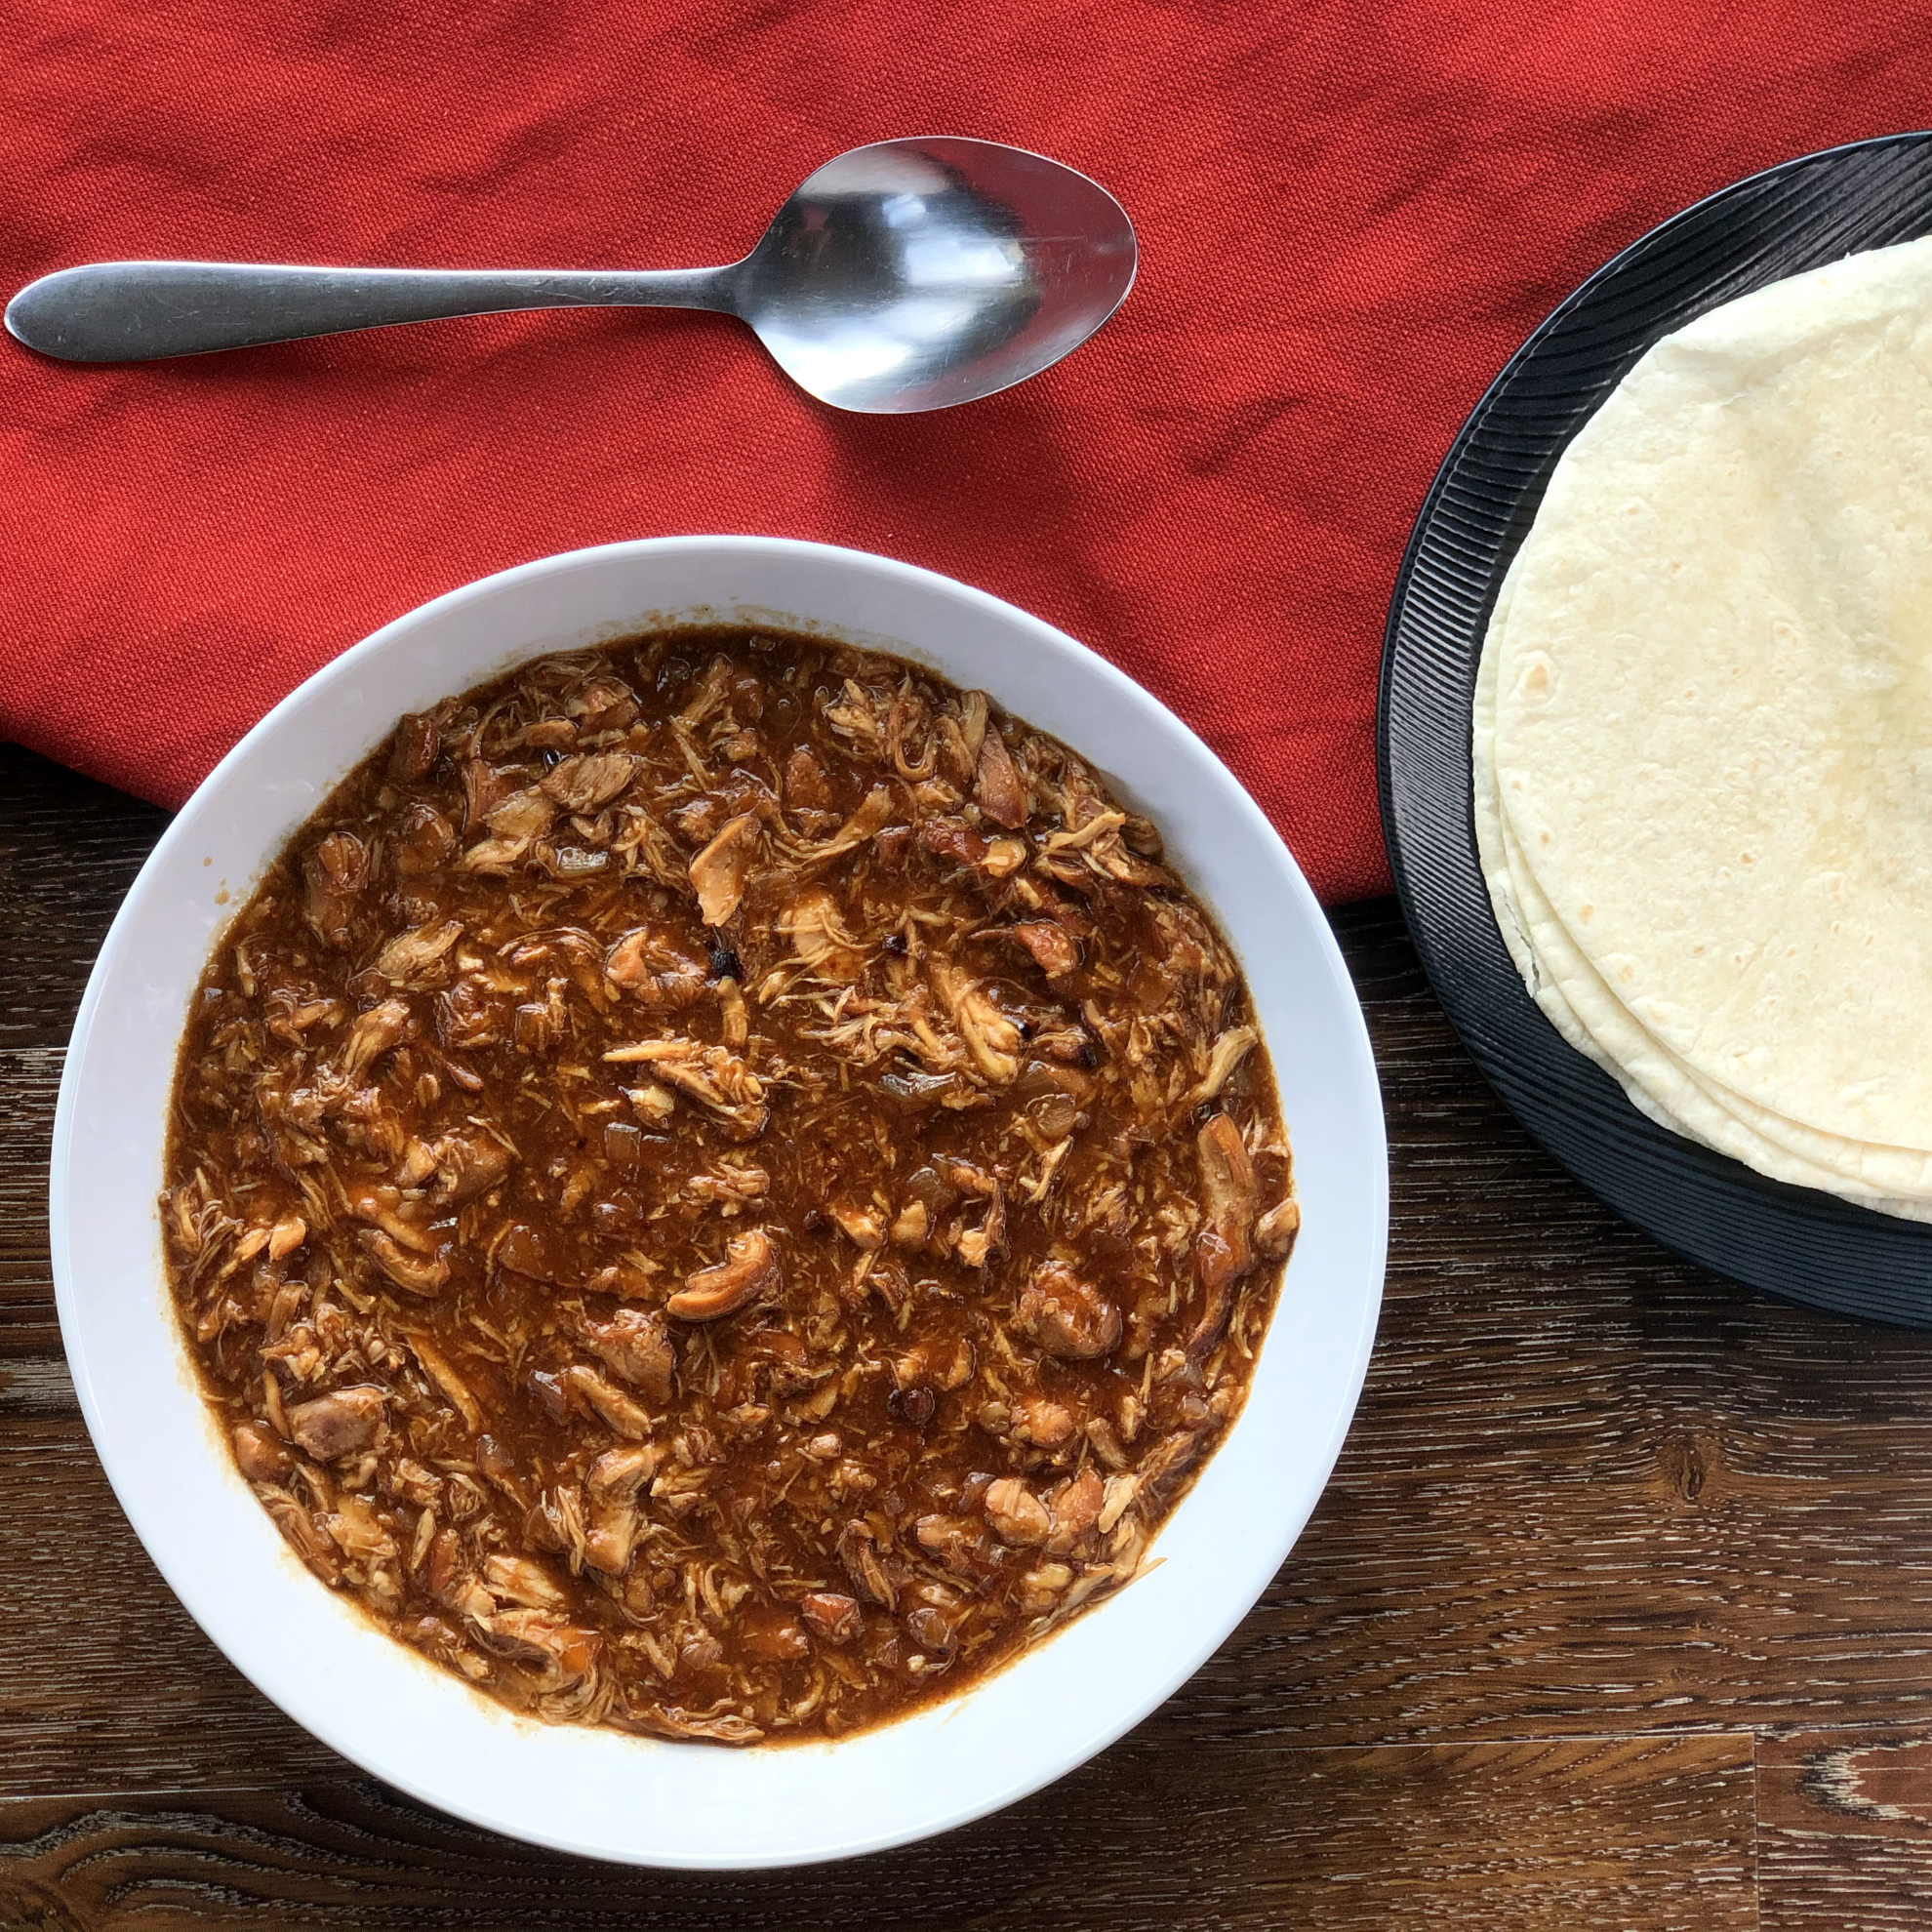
(1348, 217)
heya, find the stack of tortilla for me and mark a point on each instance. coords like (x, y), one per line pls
(1702, 733)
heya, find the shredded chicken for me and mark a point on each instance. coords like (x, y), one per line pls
(1015, 1514)
(722, 1188)
(720, 872)
(1050, 946)
(656, 967)
(373, 1035)
(998, 785)
(1223, 1249)
(335, 874)
(609, 1403)
(259, 1454)
(585, 782)
(865, 823)
(419, 1275)
(749, 1272)
(1228, 1052)
(713, 1077)
(813, 925)
(466, 1166)
(1066, 1315)
(413, 958)
(992, 1037)
(1274, 1233)
(633, 1346)
(338, 1424)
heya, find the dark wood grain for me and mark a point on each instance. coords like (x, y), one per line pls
(116, 1688)
(1655, 1833)
(1845, 1830)
(68, 850)
(28, 1077)
(1605, 1527)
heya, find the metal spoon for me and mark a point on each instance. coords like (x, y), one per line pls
(905, 275)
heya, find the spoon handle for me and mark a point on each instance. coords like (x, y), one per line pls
(138, 312)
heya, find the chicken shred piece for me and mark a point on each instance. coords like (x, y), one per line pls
(713, 1077)
(997, 786)
(373, 1035)
(419, 1274)
(874, 813)
(588, 781)
(442, 1372)
(624, 1414)
(1223, 1249)
(719, 872)
(818, 935)
(1015, 1514)
(1274, 1233)
(1066, 1315)
(335, 874)
(1229, 1049)
(1051, 946)
(634, 1347)
(657, 967)
(410, 958)
(862, 1226)
(749, 1272)
(338, 1424)
(992, 1038)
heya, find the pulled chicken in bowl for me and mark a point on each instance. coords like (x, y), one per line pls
(720, 1187)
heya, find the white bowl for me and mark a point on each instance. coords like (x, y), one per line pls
(601, 1793)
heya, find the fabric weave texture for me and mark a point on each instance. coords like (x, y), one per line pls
(1348, 217)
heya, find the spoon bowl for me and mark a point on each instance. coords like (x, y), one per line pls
(900, 276)
(917, 275)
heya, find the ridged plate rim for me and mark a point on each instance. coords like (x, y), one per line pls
(1794, 1244)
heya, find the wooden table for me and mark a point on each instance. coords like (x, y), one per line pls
(1618, 1612)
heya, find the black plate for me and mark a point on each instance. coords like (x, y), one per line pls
(1793, 1242)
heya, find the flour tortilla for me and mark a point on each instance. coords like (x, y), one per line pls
(1704, 732)
(1590, 1017)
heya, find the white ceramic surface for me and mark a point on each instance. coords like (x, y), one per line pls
(599, 1793)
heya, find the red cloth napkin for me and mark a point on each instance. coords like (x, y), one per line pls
(1349, 215)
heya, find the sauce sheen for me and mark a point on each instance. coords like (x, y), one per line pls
(720, 1187)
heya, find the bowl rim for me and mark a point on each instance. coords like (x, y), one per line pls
(197, 1592)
